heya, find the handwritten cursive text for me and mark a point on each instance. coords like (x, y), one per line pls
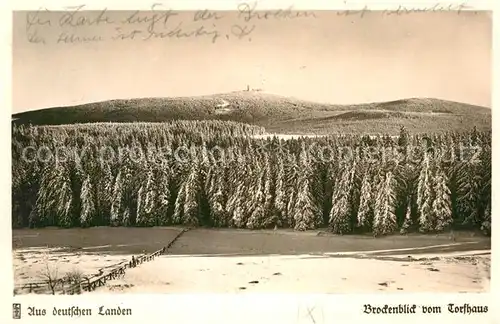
(249, 12)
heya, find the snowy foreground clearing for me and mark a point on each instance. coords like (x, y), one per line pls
(351, 273)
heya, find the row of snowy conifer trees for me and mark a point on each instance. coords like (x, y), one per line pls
(278, 184)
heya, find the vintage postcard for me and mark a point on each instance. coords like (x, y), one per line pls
(252, 150)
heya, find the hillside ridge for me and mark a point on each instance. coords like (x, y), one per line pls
(274, 112)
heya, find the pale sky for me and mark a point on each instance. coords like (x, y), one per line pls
(330, 58)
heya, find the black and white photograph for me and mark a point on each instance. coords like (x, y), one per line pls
(251, 151)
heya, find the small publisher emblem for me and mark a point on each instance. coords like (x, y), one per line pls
(16, 311)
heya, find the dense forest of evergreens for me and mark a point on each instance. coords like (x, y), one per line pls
(214, 173)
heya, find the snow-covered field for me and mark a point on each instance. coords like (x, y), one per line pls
(36, 264)
(351, 273)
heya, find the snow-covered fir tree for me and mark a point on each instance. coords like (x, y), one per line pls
(280, 202)
(103, 186)
(486, 224)
(146, 197)
(233, 196)
(441, 204)
(178, 215)
(341, 212)
(256, 204)
(126, 217)
(408, 222)
(403, 139)
(128, 191)
(216, 196)
(291, 188)
(484, 201)
(425, 196)
(385, 221)
(365, 210)
(306, 214)
(163, 195)
(56, 196)
(116, 201)
(252, 194)
(271, 216)
(192, 191)
(234, 206)
(88, 209)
